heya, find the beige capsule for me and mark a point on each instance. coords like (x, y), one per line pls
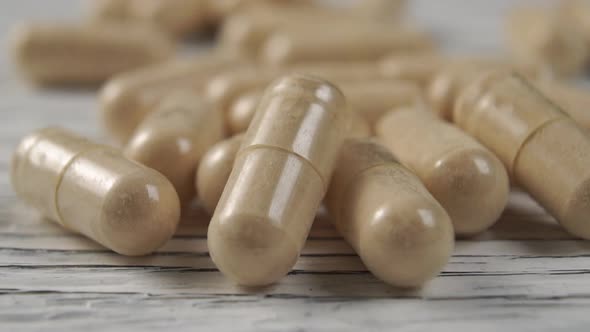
(417, 68)
(225, 87)
(175, 17)
(92, 189)
(245, 31)
(578, 12)
(402, 234)
(544, 150)
(544, 37)
(60, 53)
(175, 136)
(464, 176)
(574, 100)
(278, 181)
(368, 99)
(305, 43)
(447, 84)
(128, 98)
(216, 165)
(214, 170)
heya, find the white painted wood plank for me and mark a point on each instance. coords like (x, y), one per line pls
(100, 312)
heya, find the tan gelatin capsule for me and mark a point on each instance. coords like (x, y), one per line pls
(417, 68)
(465, 177)
(176, 17)
(175, 136)
(224, 88)
(368, 99)
(128, 98)
(447, 84)
(544, 150)
(92, 189)
(573, 100)
(245, 31)
(59, 53)
(544, 37)
(214, 170)
(278, 181)
(300, 43)
(402, 234)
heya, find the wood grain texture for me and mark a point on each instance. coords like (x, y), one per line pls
(525, 274)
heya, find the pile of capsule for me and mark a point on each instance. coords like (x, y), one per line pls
(299, 106)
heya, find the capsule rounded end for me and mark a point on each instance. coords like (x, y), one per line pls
(214, 170)
(473, 187)
(139, 215)
(250, 250)
(157, 148)
(406, 249)
(120, 112)
(242, 111)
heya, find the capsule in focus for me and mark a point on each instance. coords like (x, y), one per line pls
(278, 181)
(175, 136)
(465, 177)
(402, 234)
(93, 190)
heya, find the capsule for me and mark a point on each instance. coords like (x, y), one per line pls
(245, 31)
(465, 177)
(92, 189)
(353, 42)
(369, 100)
(573, 100)
(401, 233)
(59, 53)
(214, 170)
(128, 98)
(447, 84)
(578, 12)
(278, 181)
(417, 68)
(544, 150)
(224, 88)
(173, 139)
(542, 36)
(175, 17)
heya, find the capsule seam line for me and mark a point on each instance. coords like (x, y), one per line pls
(58, 184)
(528, 138)
(261, 146)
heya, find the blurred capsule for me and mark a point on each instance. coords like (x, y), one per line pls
(60, 53)
(173, 138)
(127, 98)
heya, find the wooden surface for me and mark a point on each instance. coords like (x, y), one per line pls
(525, 274)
